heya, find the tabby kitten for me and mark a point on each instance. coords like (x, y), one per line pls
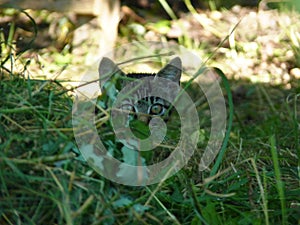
(141, 109)
(145, 108)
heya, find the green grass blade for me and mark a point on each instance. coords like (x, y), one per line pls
(11, 34)
(230, 118)
(279, 182)
(168, 9)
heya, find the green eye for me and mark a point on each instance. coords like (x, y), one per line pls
(157, 109)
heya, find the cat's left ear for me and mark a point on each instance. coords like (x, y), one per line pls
(108, 70)
(172, 70)
(108, 67)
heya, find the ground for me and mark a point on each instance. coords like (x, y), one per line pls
(44, 179)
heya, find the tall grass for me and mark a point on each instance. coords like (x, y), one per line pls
(44, 180)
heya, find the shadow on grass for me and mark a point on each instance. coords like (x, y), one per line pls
(43, 182)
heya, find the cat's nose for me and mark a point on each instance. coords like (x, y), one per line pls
(143, 118)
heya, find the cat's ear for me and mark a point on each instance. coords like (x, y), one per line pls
(172, 70)
(107, 68)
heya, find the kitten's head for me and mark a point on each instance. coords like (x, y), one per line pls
(144, 108)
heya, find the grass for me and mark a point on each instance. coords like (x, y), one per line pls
(43, 179)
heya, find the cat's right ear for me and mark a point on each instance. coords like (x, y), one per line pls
(172, 70)
(108, 68)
